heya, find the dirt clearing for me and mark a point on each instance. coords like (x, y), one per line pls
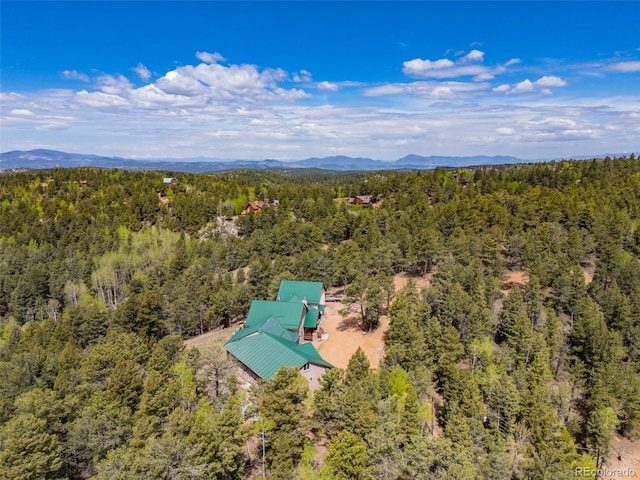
(401, 279)
(625, 457)
(346, 335)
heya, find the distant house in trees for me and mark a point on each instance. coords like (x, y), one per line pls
(362, 200)
(169, 181)
(253, 207)
(274, 334)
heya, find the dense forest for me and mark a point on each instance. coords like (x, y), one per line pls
(104, 273)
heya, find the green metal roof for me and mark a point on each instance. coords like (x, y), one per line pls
(286, 314)
(295, 291)
(270, 349)
(270, 326)
(311, 318)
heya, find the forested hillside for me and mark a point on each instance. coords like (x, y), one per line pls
(103, 273)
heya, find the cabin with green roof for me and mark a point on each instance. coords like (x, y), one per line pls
(312, 295)
(289, 315)
(265, 348)
(274, 334)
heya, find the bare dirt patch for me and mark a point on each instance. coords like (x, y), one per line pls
(625, 457)
(514, 279)
(400, 280)
(346, 334)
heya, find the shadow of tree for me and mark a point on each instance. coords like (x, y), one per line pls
(350, 323)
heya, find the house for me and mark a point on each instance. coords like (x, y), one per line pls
(290, 316)
(362, 200)
(312, 295)
(262, 349)
(169, 181)
(275, 332)
(253, 207)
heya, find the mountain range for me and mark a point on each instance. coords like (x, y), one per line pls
(44, 159)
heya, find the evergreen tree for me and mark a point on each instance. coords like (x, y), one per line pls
(346, 459)
(27, 450)
(283, 403)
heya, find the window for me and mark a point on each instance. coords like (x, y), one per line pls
(306, 366)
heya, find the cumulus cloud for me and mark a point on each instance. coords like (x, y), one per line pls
(523, 87)
(114, 84)
(473, 56)
(419, 67)
(142, 72)
(465, 66)
(197, 87)
(542, 86)
(246, 111)
(75, 75)
(550, 81)
(331, 87)
(176, 82)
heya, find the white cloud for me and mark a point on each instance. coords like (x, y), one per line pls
(524, 86)
(331, 87)
(625, 67)
(100, 99)
(423, 68)
(197, 87)
(142, 72)
(176, 82)
(11, 97)
(75, 75)
(210, 57)
(550, 81)
(246, 111)
(527, 86)
(481, 77)
(302, 76)
(114, 84)
(473, 56)
(21, 112)
(467, 65)
(152, 97)
(435, 90)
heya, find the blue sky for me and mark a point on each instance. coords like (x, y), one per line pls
(291, 80)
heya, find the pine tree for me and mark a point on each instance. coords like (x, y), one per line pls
(27, 451)
(347, 459)
(283, 404)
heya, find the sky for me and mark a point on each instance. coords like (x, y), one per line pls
(298, 79)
